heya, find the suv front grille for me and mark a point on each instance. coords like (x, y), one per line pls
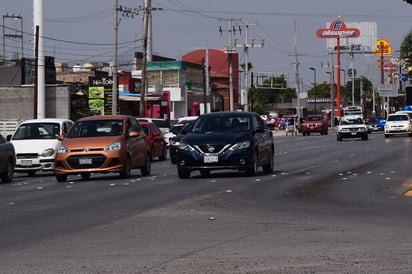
(210, 148)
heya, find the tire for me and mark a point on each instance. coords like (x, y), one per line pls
(61, 178)
(85, 176)
(338, 137)
(268, 168)
(152, 153)
(252, 171)
(183, 174)
(147, 169)
(164, 154)
(125, 173)
(387, 135)
(7, 176)
(365, 137)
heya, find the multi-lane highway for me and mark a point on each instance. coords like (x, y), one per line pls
(329, 207)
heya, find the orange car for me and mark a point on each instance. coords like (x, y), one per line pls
(102, 144)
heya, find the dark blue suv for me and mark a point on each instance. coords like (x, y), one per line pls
(226, 140)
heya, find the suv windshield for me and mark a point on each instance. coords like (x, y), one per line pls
(207, 124)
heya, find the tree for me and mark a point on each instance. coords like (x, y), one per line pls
(406, 50)
(271, 92)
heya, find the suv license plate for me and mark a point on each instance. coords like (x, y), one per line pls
(210, 159)
(85, 161)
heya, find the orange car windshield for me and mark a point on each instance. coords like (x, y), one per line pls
(96, 128)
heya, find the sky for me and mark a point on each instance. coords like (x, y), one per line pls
(80, 31)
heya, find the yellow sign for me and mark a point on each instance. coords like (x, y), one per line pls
(383, 47)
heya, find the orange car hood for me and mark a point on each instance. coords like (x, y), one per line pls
(89, 142)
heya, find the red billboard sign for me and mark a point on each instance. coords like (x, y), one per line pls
(338, 29)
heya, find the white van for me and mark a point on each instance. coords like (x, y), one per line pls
(35, 142)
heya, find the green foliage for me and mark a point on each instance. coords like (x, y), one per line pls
(268, 96)
(322, 90)
(406, 50)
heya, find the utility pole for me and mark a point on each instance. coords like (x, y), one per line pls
(147, 53)
(143, 86)
(13, 35)
(229, 50)
(128, 12)
(114, 67)
(246, 47)
(297, 77)
(40, 77)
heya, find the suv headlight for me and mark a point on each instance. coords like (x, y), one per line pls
(187, 147)
(240, 145)
(114, 147)
(62, 149)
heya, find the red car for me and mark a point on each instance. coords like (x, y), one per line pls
(155, 140)
(314, 123)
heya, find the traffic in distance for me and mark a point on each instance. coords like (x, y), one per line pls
(241, 141)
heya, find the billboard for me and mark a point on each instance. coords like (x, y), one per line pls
(365, 43)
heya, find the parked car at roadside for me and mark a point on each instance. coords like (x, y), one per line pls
(103, 144)
(314, 124)
(398, 124)
(351, 126)
(226, 140)
(35, 142)
(155, 140)
(7, 160)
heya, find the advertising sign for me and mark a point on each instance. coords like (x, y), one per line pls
(383, 48)
(338, 29)
(100, 95)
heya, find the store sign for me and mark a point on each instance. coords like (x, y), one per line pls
(383, 48)
(338, 29)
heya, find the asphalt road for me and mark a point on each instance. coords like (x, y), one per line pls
(329, 207)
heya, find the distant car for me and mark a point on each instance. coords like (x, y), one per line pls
(175, 141)
(35, 142)
(162, 124)
(103, 144)
(155, 140)
(398, 124)
(351, 126)
(374, 123)
(7, 160)
(314, 124)
(174, 130)
(226, 140)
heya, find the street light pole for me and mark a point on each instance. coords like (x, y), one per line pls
(314, 84)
